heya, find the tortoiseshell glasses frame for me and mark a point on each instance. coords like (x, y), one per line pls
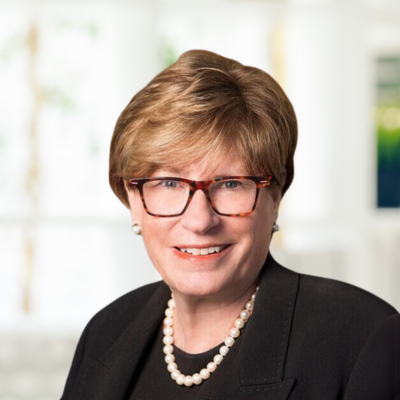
(260, 182)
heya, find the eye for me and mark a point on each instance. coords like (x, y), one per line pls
(232, 184)
(169, 184)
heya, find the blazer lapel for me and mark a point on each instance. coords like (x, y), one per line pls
(112, 379)
(261, 359)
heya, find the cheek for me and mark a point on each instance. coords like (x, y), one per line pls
(156, 234)
(152, 242)
(158, 240)
(268, 207)
(264, 217)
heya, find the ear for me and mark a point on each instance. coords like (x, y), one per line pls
(135, 204)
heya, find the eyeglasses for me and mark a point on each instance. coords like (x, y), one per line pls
(232, 196)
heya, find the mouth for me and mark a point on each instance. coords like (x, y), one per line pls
(203, 251)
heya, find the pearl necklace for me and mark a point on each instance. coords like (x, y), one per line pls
(197, 379)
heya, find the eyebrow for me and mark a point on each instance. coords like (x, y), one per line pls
(240, 172)
(178, 172)
(182, 172)
(172, 170)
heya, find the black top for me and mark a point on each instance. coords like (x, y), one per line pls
(308, 338)
(154, 382)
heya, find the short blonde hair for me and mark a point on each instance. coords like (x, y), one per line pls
(204, 104)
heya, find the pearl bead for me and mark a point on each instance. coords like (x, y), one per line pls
(171, 303)
(180, 380)
(168, 339)
(205, 373)
(175, 374)
(218, 359)
(224, 350)
(197, 379)
(172, 367)
(211, 366)
(239, 323)
(188, 381)
(168, 331)
(168, 349)
(169, 358)
(169, 312)
(234, 332)
(244, 314)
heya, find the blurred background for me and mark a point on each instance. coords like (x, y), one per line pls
(67, 70)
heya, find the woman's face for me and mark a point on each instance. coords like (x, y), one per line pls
(231, 271)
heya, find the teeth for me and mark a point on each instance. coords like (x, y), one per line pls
(203, 251)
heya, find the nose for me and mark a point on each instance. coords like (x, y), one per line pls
(199, 217)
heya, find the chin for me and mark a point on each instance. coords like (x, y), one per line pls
(197, 286)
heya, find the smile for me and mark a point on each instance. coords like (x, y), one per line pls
(203, 251)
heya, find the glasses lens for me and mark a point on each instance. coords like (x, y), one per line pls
(165, 196)
(233, 196)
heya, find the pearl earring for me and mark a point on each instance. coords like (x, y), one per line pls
(275, 228)
(136, 229)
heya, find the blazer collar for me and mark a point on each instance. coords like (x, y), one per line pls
(261, 359)
(266, 339)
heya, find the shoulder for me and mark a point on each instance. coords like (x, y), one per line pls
(329, 296)
(375, 375)
(331, 308)
(111, 321)
(107, 326)
(354, 332)
(340, 296)
(127, 306)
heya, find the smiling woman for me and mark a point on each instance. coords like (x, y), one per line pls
(202, 157)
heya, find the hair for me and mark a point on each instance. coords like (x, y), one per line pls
(205, 105)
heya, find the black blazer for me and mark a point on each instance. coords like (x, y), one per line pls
(309, 338)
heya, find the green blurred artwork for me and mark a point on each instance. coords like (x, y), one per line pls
(388, 133)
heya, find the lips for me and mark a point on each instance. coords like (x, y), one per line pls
(201, 252)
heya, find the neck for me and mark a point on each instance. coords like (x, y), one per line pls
(201, 324)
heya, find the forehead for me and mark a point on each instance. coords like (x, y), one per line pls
(206, 168)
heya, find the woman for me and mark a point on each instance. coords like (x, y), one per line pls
(202, 157)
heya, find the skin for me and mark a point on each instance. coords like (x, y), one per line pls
(209, 292)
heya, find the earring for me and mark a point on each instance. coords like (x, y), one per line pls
(136, 229)
(275, 228)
